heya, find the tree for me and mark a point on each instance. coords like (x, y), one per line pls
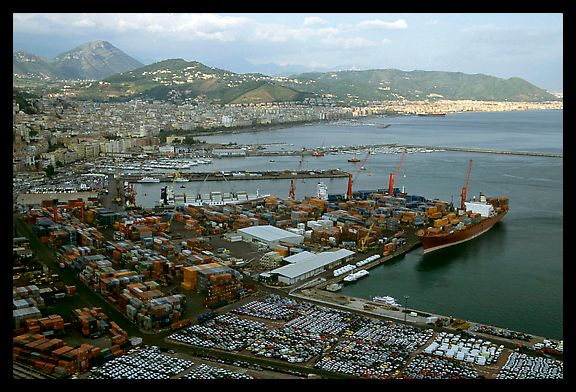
(50, 171)
(59, 163)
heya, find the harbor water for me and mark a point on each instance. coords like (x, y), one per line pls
(510, 277)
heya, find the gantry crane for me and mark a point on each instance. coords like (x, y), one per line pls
(70, 206)
(292, 192)
(393, 175)
(465, 188)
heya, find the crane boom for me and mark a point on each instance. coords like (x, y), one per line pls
(362, 245)
(176, 175)
(465, 187)
(351, 177)
(292, 192)
(393, 175)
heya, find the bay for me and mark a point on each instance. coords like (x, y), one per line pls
(510, 277)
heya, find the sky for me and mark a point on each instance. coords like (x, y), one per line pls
(505, 45)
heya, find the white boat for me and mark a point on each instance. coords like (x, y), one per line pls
(356, 275)
(386, 300)
(149, 179)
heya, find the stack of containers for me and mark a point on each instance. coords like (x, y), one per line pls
(47, 326)
(89, 321)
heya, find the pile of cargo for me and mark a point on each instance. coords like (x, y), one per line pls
(52, 355)
(47, 326)
(31, 293)
(136, 227)
(69, 253)
(149, 308)
(91, 322)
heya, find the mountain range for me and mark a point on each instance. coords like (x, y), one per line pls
(120, 77)
(91, 61)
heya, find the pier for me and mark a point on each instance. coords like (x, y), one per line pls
(242, 175)
(396, 146)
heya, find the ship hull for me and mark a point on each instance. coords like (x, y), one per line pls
(436, 242)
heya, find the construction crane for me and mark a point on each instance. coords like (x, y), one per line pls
(352, 177)
(465, 188)
(393, 175)
(362, 244)
(292, 192)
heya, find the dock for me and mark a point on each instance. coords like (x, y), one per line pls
(253, 175)
(355, 148)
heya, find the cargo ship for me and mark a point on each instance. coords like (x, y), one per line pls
(471, 220)
(477, 218)
(168, 198)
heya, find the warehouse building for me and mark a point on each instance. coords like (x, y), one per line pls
(305, 265)
(270, 236)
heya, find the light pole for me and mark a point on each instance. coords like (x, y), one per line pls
(406, 306)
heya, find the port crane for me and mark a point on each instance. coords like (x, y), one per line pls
(393, 175)
(465, 188)
(176, 175)
(351, 177)
(362, 244)
(69, 206)
(292, 192)
(118, 181)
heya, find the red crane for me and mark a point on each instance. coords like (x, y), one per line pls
(292, 192)
(393, 175)
(355, 175)
(465, 187)
(70, 206)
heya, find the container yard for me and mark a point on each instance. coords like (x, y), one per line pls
(242, 284)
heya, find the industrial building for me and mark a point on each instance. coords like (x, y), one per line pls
(270, 236)
(305, 265)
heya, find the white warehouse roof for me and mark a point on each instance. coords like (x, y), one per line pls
(314, 261)
(269, 233)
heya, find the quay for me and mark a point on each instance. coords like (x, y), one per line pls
(242, 175)
(396, 147)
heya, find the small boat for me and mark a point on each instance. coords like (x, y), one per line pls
(354, 159)
(385, 300)
(148, 180)
(356, 275)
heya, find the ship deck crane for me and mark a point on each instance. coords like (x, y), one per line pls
(292, 192)
(465, 188)
(393, 175)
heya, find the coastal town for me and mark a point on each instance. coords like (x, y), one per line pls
(62, 131)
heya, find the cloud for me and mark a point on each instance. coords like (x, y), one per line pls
(314, 20)
(357, 42)
(381, 24)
